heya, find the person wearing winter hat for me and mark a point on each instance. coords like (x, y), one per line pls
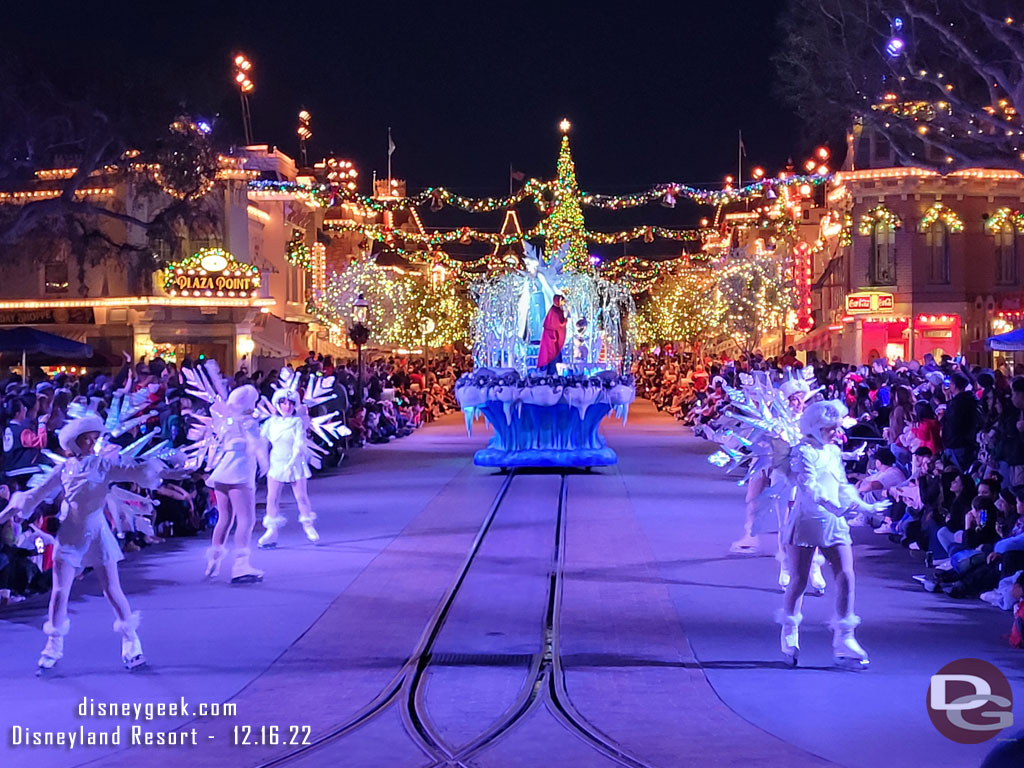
(84, 538)
(823, 496)
(234, 482)
(289, 465)
(797, 391)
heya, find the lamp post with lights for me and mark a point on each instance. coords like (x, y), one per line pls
(359, 334)
(243, 68)
(305, 134)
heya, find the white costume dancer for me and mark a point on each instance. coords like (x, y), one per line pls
(823, 496)
(289, 465)
(228, 440)
(84, 538)
(759, 430)
(293, 451)
(796, 391)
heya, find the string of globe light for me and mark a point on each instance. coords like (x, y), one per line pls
(534, 189)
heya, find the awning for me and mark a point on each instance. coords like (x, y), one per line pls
(1011, 341)
(819, 339)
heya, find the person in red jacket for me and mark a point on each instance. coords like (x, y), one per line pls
(553, 338)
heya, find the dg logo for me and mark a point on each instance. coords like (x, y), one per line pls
(970, 701)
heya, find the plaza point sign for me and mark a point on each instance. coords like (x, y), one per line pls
(869, 301)
(211, 272)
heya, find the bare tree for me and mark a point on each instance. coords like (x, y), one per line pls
(943, 80)
(42, 129)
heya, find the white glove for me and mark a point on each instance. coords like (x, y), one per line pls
(880, 506)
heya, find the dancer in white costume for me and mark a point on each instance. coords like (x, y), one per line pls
(796, 391)
(823, 496)
(234, 482)
(84, 538)
(229, 441)
(289, 465)
(769, 419)
(289, 428)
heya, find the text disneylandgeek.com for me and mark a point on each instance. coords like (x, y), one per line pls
(140, 730)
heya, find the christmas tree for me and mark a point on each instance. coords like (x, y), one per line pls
(565, 223)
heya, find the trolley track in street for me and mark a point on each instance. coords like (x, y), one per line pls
(543, 686)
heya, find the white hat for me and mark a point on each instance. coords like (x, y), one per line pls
(284, 394)
(824, 413)
(70, 432)
(244, 397)
(936, 378)
(792, 387)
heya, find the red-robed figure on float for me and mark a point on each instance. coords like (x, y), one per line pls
(553, 338)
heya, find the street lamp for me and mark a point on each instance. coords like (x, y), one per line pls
(427, 327)
(359, 334)
(245, 86)
(305, 134)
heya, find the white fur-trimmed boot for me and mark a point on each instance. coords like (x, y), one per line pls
(54, 649)
(817, 580)
(784, 576)
(131, 645)
(272, 524)
(307, 526)
(214, 556)
(242, 571)
(845, 648)
(790, 639)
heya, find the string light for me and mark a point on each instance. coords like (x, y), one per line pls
(939, 212)
(878, 215)
(1005, 219)
(682, 307)
(211, 272)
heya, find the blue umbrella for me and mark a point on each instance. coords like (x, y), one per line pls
(1011, 341)
(26, 340)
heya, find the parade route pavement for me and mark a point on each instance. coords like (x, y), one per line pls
(456, 616)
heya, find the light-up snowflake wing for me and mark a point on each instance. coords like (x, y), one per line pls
(328, 427)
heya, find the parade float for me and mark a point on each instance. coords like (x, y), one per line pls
(539, 418)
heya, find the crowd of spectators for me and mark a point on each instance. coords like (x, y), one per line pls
(399, 395)
(945, 444)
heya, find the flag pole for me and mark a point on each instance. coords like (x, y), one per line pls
(389, 159)
(510, 179)
(739, 161)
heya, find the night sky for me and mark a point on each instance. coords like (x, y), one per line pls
(656, 91)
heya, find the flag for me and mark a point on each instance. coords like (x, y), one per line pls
(391, 144)
(743, 147)
(517, 175)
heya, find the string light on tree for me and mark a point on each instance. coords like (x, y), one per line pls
(565, 224)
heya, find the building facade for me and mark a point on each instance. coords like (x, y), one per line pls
(151, 296)
(919, 263)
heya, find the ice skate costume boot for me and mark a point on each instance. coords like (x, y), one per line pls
(214, 556)
(272, 524)
(845, 648)
(817, 580)
(242, 571)
(308, 527)
(131, 645)
(54, 650)
(784, 576)
(790, 640)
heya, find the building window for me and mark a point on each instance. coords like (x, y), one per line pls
(1006, 255)
(882, 261)
(201, 243)
(55, 277)
(937, 239)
